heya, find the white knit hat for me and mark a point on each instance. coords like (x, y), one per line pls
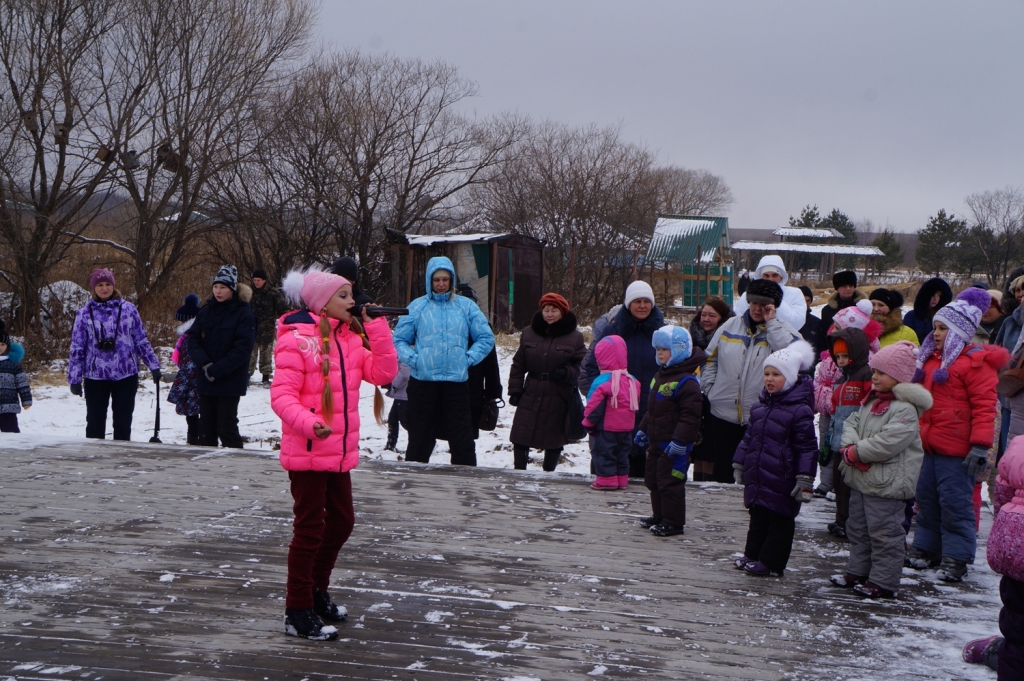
(790, 361)
(639, 289)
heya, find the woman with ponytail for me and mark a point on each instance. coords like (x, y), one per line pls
(323, 354)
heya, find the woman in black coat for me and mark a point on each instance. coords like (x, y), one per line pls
(220, 343)
(542, 381)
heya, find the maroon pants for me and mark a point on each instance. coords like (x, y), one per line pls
(324, 518)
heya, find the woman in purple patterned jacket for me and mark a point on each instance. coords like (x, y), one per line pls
(106, 344)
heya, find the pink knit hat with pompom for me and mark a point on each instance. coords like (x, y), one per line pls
(899, 360)
(312, 288)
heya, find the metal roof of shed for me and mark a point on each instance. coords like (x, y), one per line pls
(679, 238)
(809, 232)
(838, 249)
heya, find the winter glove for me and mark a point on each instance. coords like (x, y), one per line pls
(680, 459)
(156, 375)
(559, 374)
(976, 462)
(804, 490)
(206, 372)
(76, 389)
(676, 448)
(737, 473)
(849, 454)
(641, 440)
(513, 398)
(825, 455)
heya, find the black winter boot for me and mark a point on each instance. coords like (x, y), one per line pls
(306, 624)
(551, 457)
(520, 456)
(649, 522)
(328, 609)
(952, 570)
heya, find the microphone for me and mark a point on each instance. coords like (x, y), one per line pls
(374, 311)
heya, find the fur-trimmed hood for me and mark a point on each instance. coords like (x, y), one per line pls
(924, 296)
(914, 394)
(244, 293)
(566, 325)
(890, 322)
(833, 300)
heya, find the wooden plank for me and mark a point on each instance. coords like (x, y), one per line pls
(141, 561)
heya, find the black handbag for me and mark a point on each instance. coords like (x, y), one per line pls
(574, 430)
(489, 414)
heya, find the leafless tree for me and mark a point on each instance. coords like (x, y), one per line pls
(589, 195)
(691, 192)
(51, 182)
(997, 230)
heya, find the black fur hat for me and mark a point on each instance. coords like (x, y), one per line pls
(4, 337)
(892, 299)
(764, 292)
(844, 278)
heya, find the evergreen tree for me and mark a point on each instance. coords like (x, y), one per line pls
(942, 242)
(809, 218)
(840, 222)
(891, 248)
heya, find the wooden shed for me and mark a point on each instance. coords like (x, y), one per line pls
(505, 270)
(689, 256)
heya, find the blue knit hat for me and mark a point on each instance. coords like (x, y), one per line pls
(190, 310)
(674, 338)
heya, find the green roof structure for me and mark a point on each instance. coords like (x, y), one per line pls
(688, 239)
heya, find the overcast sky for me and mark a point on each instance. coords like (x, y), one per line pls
(885, 110)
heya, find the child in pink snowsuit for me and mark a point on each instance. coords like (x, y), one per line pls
(610, 415)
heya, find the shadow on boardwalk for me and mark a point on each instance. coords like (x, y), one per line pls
(156, 562)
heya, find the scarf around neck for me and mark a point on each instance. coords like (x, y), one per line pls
(616, 378)
(882, 401)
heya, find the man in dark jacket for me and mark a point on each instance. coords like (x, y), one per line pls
(349, 269)
(846, 295)
(267, 305)
(636, 322)
(220, 343)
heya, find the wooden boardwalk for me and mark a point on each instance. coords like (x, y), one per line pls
(158, 562)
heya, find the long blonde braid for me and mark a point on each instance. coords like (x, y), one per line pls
(326, 397)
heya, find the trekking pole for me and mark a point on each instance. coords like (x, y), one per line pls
(156, 427)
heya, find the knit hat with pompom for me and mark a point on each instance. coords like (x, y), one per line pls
(312, 288)
(790, 361)
(961, 317)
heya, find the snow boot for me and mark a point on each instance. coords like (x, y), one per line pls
(847, 580)
(872, 590)
(983, 651)
(551, 457)
(520, 457)
(649, 522)
(952, 570)
(664, 529)
(605, 483)
(328, 609)
(837, 530)
(623, 481)
(306, 624)
(920, 560)
(819, 492)
(759, 569)
(741, 562)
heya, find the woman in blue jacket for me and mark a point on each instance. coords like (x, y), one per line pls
(434, 340)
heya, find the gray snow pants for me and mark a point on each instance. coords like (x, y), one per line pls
(875, 531)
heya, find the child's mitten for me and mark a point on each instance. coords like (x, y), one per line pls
(849, 454)
(803, 492)
(976, 461)
(641, 439)
(825, 454)
(680, 454)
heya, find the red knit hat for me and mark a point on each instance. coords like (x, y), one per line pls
(554, 300)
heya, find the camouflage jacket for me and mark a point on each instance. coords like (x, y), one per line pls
(267, 306)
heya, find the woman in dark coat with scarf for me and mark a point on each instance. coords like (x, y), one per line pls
(711, 315)
(220, 343)
(636, 321)
(543, 379)
(933, 296)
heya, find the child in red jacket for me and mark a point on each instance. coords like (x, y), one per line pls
(957, 433)
(610, 414)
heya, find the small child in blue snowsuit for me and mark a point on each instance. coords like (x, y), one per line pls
(14, 389)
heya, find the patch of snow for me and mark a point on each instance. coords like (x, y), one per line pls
(435, 616)
(168, 577)
(599, 670)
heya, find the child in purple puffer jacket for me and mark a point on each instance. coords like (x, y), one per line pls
(1005, 653)
(777, 460)
(610, 414)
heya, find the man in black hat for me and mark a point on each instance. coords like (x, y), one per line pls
(846, 295)
(267, 306)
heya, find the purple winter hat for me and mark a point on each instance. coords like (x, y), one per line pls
(962, 316)
(100, 275)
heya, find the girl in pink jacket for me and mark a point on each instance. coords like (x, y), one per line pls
(1005, 653)
(323, 354)
(610, 414)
